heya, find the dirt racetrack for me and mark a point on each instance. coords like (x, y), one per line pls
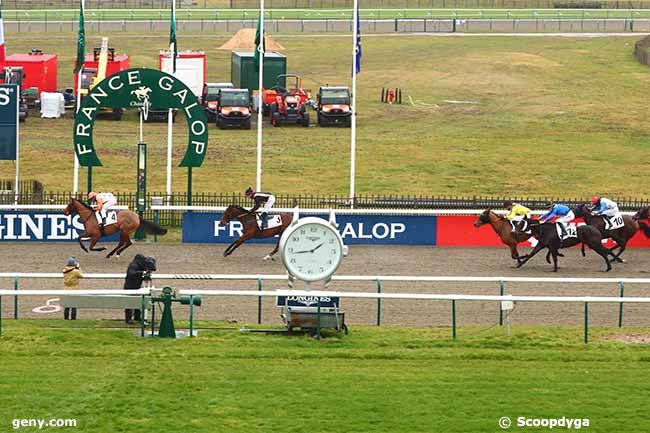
(363, 260)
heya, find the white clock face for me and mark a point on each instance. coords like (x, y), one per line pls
(312, 251)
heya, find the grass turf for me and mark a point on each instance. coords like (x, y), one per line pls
(545, 116)
(373, 380)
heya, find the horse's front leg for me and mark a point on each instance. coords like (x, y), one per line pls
(272, 253)
(232, 247)
(527, 257)
(83, 235)
(93, 242)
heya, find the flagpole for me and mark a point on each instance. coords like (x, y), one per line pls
(170, 118)
(75, 186)
(258, 182)
(353, 129)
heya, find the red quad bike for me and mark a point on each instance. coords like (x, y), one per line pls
(288, 105)
(334, 107)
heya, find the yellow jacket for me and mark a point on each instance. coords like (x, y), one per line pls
(517, 210)
(71, 277)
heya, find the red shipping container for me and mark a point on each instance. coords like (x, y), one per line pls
(120, 63)
(40, 70)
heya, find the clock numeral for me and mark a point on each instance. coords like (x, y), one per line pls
(333, 251)
(291, 250)
(314, 229)
(295, 239)
(292, 261)
(310, 272)
(329, 262)
(332, 241)
(322, 269)
(300, 268)
(303, 231)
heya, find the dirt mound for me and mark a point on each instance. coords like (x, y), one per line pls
(244, 39)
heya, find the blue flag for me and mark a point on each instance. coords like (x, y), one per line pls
(358, 46)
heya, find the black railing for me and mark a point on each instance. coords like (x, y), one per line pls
(173, 218)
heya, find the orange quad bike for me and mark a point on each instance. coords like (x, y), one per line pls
(234, 109)
(288, 105)
(334, 107)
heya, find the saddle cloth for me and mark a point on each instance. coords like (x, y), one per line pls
(111, 217)
(615, 222)
(571, 231)
(271, 222)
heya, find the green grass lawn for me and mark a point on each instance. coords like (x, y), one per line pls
(373, 380)
(546, 116)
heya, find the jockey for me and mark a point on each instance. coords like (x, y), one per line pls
(516, 212)
(604, 207)
(265, 200)
(563, 213)
(105, 201)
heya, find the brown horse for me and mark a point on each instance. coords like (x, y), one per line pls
(642, 214)
(127, 223)
(251, 229)
(503, 228)
(621, 236)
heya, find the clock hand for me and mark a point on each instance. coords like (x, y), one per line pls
(302, 252)
(318, 246)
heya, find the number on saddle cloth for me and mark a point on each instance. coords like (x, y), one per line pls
(571, 231)
(111, 217)
(272, 221)
(614, 223)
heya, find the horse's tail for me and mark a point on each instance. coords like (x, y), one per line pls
(152, 228)
(644, 228)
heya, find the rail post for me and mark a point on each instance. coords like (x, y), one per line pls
(502, 287)
(16, 299)
(142, 310)
(453, 318)
(191, 316)
(586, 322)
(259, 301)
(621, 285)
(378, 284)
(0, 316)
(318, 319)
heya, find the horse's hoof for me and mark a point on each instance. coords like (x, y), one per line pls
(266, 257)
(117, 256)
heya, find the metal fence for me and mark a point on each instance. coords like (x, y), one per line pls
(387, 26)
(173, 218)
(328, 4)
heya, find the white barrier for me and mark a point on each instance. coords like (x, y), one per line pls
(372, 278)
(377, 211)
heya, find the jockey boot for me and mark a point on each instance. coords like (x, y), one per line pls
(263, 218)
(102, 221)
(563, 230)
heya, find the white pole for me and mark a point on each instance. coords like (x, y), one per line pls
(353, 132)
(75, 182)
(16, 185)
(169, 136)
(258, 182)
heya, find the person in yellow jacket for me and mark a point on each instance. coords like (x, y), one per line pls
(71, 276)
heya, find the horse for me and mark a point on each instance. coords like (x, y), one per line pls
(251, 229)
(503, 228)
(642, 214)
(621, 235)
(548, 237)
(127, 223)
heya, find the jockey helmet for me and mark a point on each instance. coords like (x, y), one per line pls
(595, 200)
(249, 190)
(507, 203)
(92, 195)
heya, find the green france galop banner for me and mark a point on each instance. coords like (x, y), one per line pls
(141, 88)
